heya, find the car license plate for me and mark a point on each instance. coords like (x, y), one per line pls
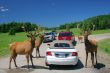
(61, 55)
(64, 38)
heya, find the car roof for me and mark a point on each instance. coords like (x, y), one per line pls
(61, 41)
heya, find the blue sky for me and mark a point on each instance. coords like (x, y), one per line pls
(51, 13)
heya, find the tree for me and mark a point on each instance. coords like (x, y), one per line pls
(12, 31)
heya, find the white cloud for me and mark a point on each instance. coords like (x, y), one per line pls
(3, 9)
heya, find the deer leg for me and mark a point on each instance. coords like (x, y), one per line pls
(86, 59)
(92, 58)
(31, 60)
(96, 56)
(38, 52)
(15, 60)
(27, 57)
(10, 62)
(11, 57)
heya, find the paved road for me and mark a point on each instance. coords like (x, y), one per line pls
(102, 67)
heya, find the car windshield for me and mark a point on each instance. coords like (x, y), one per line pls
(65, 34)
(61, 45)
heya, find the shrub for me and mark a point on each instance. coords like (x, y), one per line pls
(12, 31)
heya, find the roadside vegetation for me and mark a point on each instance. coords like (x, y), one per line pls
(10, 32)
(6, 39)
(104, 45)
(94, 23)
(77, 31)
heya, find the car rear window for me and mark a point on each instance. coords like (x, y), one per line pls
(61, 45)
(65, 34)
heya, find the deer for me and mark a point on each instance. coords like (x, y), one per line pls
(90, 47)
(23, 48)
(80, 37)
(38, 41)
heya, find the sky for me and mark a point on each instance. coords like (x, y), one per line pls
(51, 13)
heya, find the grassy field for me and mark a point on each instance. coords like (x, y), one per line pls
(77, 31)
(104, 45)
(5, 39)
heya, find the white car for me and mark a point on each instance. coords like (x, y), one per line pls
(61, 52)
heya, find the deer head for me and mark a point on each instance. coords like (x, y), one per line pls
(30, 35)
(86, 34)
(41, 32)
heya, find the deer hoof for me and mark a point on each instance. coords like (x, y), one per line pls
(9, 68)
(85, 66)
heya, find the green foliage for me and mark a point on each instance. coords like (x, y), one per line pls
(17, 26)
(93, 23)
(12, 31)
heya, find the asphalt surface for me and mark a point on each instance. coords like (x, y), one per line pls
(103, 65)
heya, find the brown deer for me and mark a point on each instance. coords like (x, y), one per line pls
(38, 43)
(23, 48)
(80, 38)
(90, 47)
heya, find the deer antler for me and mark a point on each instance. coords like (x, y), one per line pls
(26, 30)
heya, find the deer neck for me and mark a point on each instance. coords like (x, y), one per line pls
(41, 39)
(32, 44)
(86, 41)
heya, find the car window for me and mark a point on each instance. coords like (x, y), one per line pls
(61, 45)
(65, 34)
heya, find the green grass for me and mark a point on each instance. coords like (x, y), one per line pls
(104, 45)
(5, 40)
(77, 31)
(101, 31)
